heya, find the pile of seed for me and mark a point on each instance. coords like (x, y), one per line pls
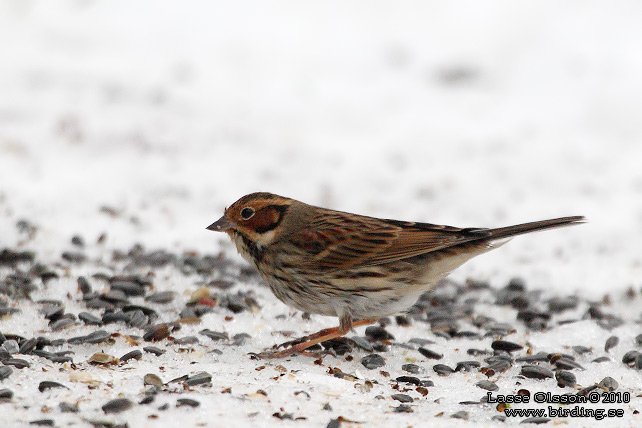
(128, 298)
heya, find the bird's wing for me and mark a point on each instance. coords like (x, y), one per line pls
(336, 240)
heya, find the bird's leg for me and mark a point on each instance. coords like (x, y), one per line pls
(345, 325)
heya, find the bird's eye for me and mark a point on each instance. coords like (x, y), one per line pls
(247, 213)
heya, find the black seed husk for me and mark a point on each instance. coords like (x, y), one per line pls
(611, 342)
(47, 384)
(373, 361)
(198, 378)
(5, 372)
(404, 398)
(89, 318)
(565, 378)
(430, 354)
(135, 354)
(442, 369)
(187, 402)
(117, 405)
(378, 333)
(409, 379)
(154, 350)
(413, 368)
(536, 420)
(68, 407)
(609, 383)
(6, 394)
(16, 362)
(487, 385)
(504, 345)
(536, 372)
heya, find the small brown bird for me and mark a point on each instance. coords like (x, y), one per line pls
(351, 266)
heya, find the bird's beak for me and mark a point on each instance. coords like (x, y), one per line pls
(221, 225)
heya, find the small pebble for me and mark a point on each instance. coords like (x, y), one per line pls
(47, 384)
(430, 354)
(373, 361)
(403, 408)
(536, 372)
(611, 342)
(487, 385)
(117, 405)
(565, 378)
(638, 340)
(187, 402)
(504, 345)
(442, 369)
(135, 354)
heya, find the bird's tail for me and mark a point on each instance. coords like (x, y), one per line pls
(509, 231)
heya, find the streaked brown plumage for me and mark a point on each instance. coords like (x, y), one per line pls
(350, 266)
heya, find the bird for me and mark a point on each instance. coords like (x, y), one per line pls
(354, 267)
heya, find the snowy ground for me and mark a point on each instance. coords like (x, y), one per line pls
(142, 122)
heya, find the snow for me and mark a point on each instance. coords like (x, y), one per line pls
(468, 113)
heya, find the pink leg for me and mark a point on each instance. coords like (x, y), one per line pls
(313, 339)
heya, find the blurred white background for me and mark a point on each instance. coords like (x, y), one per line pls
(465, 113)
